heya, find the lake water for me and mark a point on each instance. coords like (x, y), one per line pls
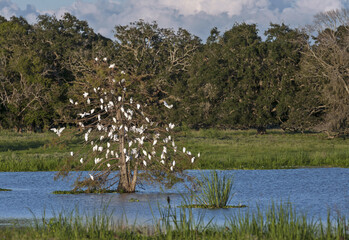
(313, 191)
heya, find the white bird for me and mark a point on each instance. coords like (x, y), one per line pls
(144, 163)
(127, 158)
(100, 148)
(198, 154)
(164, 149)
(92, 111)
(192, 159)
(108, 145)
(95, 90)
(123, 80)
(88, 101)
(112, 65)
(171, 168)
(145, 153)
(105, 59)
(171, 125)
(91, 177)
(76, 103)
(81, 160)
(174, 163)
(130, 144)
(99, 117)
(101, 100)
(122, 72)
(131, 100)
(147, 119)
(138, 106)
(114, 119)
(155, 141)
(184, 149)
(85, 94)
(71, 154)
(168, 106)
(119, 98)
(96, 59)
(71, 101)
(125, 150)
(108, 165)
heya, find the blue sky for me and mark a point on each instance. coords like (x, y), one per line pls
(197, 16)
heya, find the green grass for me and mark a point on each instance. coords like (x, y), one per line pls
(229, 149)
(276, 222)
(243, 149)
(215, 191)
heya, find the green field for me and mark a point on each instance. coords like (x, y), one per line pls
(228, 149)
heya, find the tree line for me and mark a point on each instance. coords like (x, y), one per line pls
(296, 79)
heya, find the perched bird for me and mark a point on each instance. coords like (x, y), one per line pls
(112, 65)
(168, 106)
(92, 178)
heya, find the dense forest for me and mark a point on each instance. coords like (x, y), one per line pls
(290, 78)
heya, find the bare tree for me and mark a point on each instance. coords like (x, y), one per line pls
(120, 137)
(329, 57)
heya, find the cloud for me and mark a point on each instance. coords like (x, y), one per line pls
(198, 16)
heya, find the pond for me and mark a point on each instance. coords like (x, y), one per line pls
(313, 191)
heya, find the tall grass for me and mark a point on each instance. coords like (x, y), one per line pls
(276, 222)
(215, 191)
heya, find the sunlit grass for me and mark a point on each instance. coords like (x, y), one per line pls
(278, 221)
(220, 149)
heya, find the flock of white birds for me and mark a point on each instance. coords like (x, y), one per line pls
(132, 128)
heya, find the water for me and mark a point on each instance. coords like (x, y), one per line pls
(312, 191)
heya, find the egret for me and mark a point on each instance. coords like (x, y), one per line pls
(92, 111)
(100, 148)
(125, 150)
(71, 101)
(112, 65)
(145, 153)
(85, 94)
(96, 59)
(174, 163)
(144, 163)
(163, 162)
(192, 159)
(198, 154)
(119, 98)
(123, 72)
(108, 144)
(91, 177)
(127, 158)
(86, 137)
(183, 149)
(171, 168)
(155, 141)
(138, 106)
(171, 125)
(130, 144)
(147, 119)
(71, 154)
(88, 101)
(81, 160)
(168, 106)
(114, 119)
(108, 165)
(101, 100)
(105, 59)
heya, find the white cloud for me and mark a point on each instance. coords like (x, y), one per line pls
(198, 16)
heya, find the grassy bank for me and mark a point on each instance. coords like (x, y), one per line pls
(231, 149)
(277, 222)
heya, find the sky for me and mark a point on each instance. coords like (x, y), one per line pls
(197, 16)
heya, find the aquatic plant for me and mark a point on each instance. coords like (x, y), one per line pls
(215, 191)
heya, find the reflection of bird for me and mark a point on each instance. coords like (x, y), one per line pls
(92, 178)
